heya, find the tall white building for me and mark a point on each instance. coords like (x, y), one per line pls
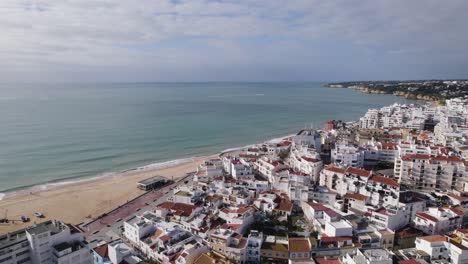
(44, 243)
(429, 172)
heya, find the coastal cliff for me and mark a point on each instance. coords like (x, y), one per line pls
(428, 90)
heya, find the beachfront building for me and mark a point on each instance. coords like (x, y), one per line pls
(14, 248)
(119, 252)
(151, 183)
(208, 170)
(56, 242)
(238, 168)
(429, 172)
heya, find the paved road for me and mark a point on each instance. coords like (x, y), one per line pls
(110, 226)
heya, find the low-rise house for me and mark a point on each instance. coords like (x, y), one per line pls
(101, 254)
(208, 170)
(275, 249)
(438, 220)
(323, 195)
(241, 216)
(299, 248)
(368, 256)
(267, 167)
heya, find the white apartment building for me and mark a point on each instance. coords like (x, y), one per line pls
(347, 155)
(55, 242)
(238, 168)
(268, 167)
(209, 169)
(307, 161)
(14, 248)
(438, 220)
(396, 115)
(309, 138)
(439, 248)
(429, 172)
(254, 245)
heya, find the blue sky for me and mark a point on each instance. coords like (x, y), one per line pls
(144, 40)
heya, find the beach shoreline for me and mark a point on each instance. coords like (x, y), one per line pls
(82, 200)
(91, 197)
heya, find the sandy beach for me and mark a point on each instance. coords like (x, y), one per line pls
(77, 202)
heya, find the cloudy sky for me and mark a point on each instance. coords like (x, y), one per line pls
(199, 40)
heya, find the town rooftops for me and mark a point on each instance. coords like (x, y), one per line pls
(434, 238)
(360, 172)
(285, 206)
(102, 250)
(299, 245)
(427, 217)
(54, 227)
(335, 169)
(389, 146)
(275, 246)
(356, 196)
(457, 197)
(385, 180)
(309, 159)
(410, 157)
(327, 239)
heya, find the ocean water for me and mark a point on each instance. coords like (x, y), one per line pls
(57, 132)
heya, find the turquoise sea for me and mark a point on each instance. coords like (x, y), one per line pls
(56, 132)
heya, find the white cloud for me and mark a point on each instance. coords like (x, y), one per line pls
(49, 34)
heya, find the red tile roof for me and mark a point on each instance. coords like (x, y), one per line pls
(427, 217)
(102, 251)
(457, 197)
(410, 157)
(299, 244)
(410, 261)
(385, 180)
(335, 169)
(309, 159)
(389, 146)
(328, 239)
(360, 172)
(285, 206)
(434, 238)
(356, 196)
(415, 156)
(457, 211)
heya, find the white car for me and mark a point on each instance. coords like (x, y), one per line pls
(38, 215)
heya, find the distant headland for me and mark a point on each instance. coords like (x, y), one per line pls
(429, 90)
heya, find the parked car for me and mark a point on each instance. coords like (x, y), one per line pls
(39, 215)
